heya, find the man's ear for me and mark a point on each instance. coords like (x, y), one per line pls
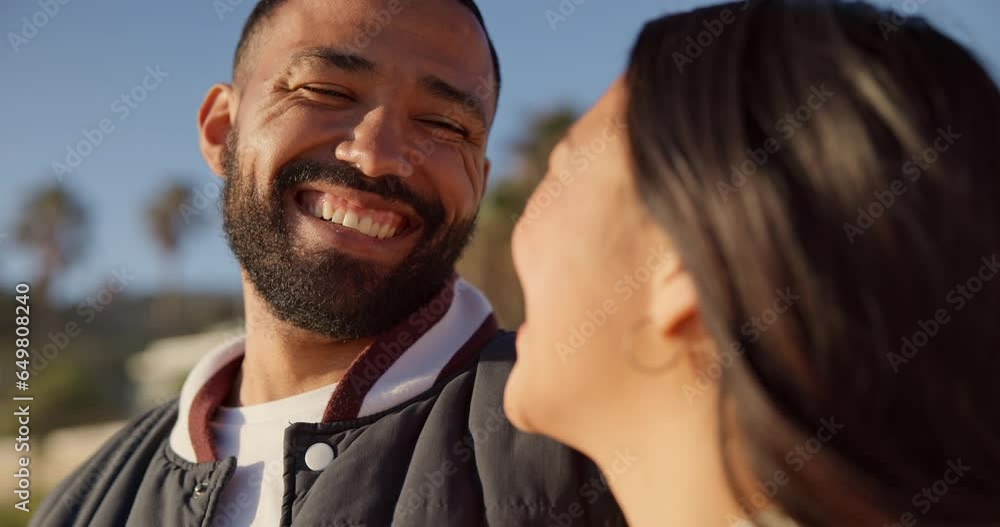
(215, 119)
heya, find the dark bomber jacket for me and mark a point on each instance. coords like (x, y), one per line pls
(447, 457)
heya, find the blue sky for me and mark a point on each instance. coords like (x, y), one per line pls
(71, 74)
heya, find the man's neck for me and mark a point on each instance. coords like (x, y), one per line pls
(282, 360)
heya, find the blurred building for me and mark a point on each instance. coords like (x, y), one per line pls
(159, 371)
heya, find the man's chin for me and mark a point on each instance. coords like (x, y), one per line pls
(339, 303)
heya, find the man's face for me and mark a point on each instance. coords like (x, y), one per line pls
(356, 161)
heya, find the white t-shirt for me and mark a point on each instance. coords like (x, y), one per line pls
(255, 436)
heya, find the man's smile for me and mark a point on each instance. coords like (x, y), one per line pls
(356, 221)
(373, 221)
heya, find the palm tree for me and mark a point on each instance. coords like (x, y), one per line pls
(53, 223)
(168, 226)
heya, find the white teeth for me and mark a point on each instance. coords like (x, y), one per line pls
(338, 215)
(365, 225)
(350, 220)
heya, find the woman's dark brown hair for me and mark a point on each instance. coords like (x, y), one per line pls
(841, 161)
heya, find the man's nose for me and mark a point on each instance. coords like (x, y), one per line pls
(377, 145)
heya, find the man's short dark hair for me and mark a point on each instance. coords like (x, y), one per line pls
(265, 8)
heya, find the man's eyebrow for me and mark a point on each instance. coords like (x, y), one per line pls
(463, 100)
(349, 62)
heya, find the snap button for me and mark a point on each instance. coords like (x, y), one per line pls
(200, 489)
(319, 456)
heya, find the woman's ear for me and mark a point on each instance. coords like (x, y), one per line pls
(671, 317)
(674, 298)
(215, 120)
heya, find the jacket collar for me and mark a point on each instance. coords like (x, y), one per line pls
(433, 343)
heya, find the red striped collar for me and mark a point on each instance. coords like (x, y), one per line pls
(433, 343)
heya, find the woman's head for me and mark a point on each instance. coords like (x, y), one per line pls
(821, 178)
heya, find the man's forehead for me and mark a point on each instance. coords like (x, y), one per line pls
(366, 27)
(400, 36)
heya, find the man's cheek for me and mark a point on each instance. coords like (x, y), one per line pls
(460, 204)
(475, 171)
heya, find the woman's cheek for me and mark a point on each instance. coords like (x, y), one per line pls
(520, 249)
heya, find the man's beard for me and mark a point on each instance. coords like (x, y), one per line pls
(329, 292)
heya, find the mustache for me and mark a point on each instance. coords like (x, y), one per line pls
(390, 187)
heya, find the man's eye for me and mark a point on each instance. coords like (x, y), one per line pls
(328, 92)
(444, 125)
